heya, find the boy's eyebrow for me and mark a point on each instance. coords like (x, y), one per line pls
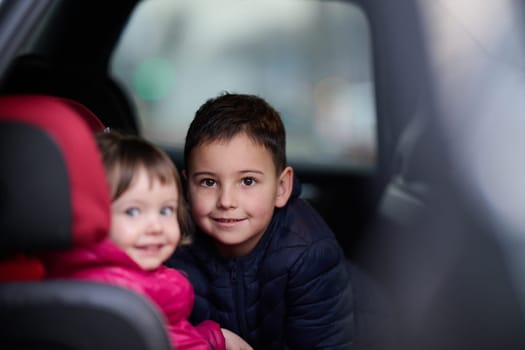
(200, 173)
(252, 171)
(209, 173)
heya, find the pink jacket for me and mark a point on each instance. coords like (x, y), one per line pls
(167, 288)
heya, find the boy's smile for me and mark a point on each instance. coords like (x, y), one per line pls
(226, 222)
(233, 190)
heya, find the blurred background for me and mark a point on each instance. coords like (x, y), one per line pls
(311, 60)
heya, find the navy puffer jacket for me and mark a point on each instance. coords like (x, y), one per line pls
(291, 292)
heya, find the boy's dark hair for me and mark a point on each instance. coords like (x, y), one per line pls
(123, 155)
(228, 114)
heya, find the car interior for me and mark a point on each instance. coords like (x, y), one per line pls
(427, 272)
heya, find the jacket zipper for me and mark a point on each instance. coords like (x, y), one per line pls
(238, 292)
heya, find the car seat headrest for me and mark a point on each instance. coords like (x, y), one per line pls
(54, 193)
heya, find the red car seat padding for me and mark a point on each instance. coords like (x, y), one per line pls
(21, 268)
(62, 121)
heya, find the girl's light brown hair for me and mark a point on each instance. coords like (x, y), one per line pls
(124, 155)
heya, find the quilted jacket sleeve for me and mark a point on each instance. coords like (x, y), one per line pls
(319, 296)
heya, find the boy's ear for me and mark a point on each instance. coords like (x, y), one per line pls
(284, 187)
(184, 175)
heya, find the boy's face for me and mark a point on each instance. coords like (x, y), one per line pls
(233, 190)
(144, 221)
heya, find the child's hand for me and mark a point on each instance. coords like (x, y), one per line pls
(234, 342)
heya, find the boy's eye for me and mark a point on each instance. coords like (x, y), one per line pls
(167, 211)
(248, 181)
(207, 182)
(132, 212)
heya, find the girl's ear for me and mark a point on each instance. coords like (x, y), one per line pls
(284, 187)
(184, 175)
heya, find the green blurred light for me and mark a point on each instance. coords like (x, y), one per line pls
(153, 79)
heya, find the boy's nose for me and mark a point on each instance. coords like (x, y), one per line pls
(227, 198)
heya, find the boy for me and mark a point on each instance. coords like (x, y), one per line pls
(264, 264)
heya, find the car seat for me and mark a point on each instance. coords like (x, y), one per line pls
(403, 203)
(54, 196)
(441, 270)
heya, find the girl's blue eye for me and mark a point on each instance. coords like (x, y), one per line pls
(167, 211)
(132, 212)
(248, 181)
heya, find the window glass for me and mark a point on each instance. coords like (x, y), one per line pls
(309, 59)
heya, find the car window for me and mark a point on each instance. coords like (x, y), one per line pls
(310, 59)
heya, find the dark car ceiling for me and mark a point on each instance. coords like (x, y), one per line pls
(82, 32)
(67, 55)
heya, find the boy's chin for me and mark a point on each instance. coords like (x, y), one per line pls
(231, 248)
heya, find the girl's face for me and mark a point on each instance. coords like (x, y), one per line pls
(233, 190)
(144, 220)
